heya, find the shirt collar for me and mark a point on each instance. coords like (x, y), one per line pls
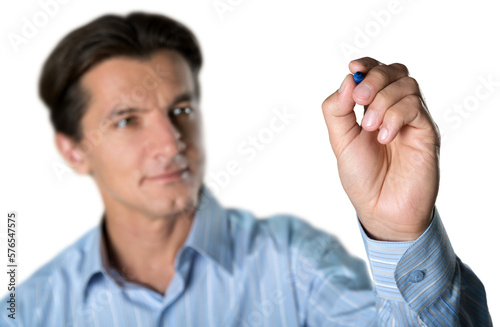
(209, 235)
(210, 232)
(95, 259)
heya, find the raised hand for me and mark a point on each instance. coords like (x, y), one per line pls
(389, 166)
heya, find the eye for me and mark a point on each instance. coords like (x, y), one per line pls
(180, 111)
(127, 121)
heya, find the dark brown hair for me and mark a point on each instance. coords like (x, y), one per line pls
(136, 35)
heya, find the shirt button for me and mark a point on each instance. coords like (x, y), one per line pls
(416, 276)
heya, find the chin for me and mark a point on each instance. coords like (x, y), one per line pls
(178, 199)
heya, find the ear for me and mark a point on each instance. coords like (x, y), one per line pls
(72, 153)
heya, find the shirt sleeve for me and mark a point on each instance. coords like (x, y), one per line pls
(417, 283)
(424, 283)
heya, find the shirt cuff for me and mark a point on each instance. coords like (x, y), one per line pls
(416, 272)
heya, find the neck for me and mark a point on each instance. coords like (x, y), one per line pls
(142, 248)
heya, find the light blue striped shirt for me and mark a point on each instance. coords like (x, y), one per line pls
(237, 270)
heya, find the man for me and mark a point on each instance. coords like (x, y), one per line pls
(167, 254)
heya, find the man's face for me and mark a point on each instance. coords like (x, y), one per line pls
(143, 132)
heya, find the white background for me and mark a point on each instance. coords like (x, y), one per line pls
(258, 56)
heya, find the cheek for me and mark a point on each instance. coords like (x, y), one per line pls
(116, 163)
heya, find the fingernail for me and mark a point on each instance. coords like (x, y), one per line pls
(363, 91)
(369, 118)
(384, 133)
(342, 86)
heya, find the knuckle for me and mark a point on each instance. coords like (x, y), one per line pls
(391, 117)
(382, 101)
(367, 62)
(326, 106)
(411, 82)
(400, 67)
(413, 100)
(364, 60)
(380, 73)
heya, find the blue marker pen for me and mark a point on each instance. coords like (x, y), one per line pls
(358, 77)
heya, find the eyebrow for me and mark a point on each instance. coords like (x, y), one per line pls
(117, 112)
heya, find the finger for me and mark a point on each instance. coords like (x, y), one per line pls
(386, 98)
(340, 118)
(377, 79)
(363, 64)
(407, 111)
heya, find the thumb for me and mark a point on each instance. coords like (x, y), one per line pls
(340, 118)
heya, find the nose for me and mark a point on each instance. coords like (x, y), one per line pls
(165, 138)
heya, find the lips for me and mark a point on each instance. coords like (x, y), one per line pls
(168, 176)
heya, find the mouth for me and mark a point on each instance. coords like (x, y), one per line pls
(170, 176)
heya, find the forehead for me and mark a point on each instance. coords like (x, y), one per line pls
(128, 81)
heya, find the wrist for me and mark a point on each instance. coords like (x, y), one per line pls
(380, 230)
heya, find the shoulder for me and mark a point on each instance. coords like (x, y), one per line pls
(309, 251)
(280, 229)
(56, 280)
(69, 260)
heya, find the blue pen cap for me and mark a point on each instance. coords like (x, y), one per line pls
(358, 77)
